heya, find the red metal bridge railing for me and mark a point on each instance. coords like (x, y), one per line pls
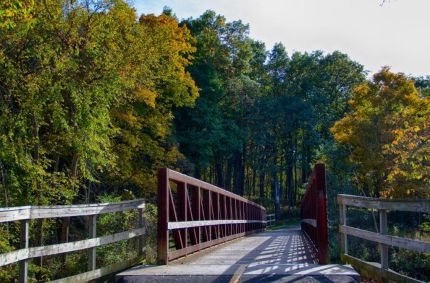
(194, 215)
(314, 213)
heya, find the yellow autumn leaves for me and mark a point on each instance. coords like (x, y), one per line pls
(387, 133)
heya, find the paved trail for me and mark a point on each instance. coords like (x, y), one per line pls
(279, 256)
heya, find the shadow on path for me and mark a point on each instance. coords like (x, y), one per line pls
(277, 256)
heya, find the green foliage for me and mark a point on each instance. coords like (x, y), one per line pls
(423, 85)
(411, 264)
(14, 12)
(387, 134)
(111, 223)
(86, 96)
(87, 91)
(261, 116)
(93, 99)
(221, 66)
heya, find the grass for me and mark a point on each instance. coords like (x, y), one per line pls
(282, 224)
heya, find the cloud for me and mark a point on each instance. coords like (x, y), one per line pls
(395, 34)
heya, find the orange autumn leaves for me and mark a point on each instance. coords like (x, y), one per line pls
(88, 91)
(387, 133)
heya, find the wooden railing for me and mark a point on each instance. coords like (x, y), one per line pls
(270, 219)
(374, 270)
(26, 213)
(194, 215)
(314, 213)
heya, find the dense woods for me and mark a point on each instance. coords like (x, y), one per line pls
(94, 98)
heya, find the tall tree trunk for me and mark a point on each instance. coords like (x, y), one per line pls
(39, 243)
(219, 181)
(254, 180)
(243, 167)
(64, 236)
(303, 171)
(276, 195)
(295, 178)
(38, 194)
(238, 174)
(306, 170)
(289, 180)
(295, 182)
(65, 225)
(303, 160)
(280, 177)
(228, 174)
(197, 173)
(3, 182)
(261, 183)
(210, 178)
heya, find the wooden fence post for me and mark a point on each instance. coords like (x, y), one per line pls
(163, 217)
(141, 240)
(343, 236)
(25, 253)
(92, 231)
(380, 237)
(383, 231)
(23, 265)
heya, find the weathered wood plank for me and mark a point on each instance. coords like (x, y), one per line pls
(14, 213)
(141, 240)
(22, 254)
(15, 256)
(281, 255)
(343, 237)
(270, 219)
(372, 270)
(383, 231)
(98, 273)
(375, 270)
(204, 245)
(191, 224)
(57, 211)
(23, 265)
(386, 204)
(409, 244)
(92, 233)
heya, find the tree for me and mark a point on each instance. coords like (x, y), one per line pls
(214, 133)
(157, 82)
(87, 92)
(409, 174)
(384, 135)
(13, 12)
(423, 85)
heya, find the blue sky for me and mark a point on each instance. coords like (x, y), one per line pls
(394, 34)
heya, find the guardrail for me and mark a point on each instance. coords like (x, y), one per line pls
(374, 270)
(270, 219)
(314, 213)
(194, 215)
(27, 213)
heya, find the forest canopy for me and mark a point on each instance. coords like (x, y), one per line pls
(94, 98)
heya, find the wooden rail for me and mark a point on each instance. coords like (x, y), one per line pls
(373, 270)
(270, 219)
(194, 215)
(314, 213)
(27, 213)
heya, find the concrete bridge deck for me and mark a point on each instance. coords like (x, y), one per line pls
(275, 256)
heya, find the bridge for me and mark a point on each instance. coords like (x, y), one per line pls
(207, 234)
